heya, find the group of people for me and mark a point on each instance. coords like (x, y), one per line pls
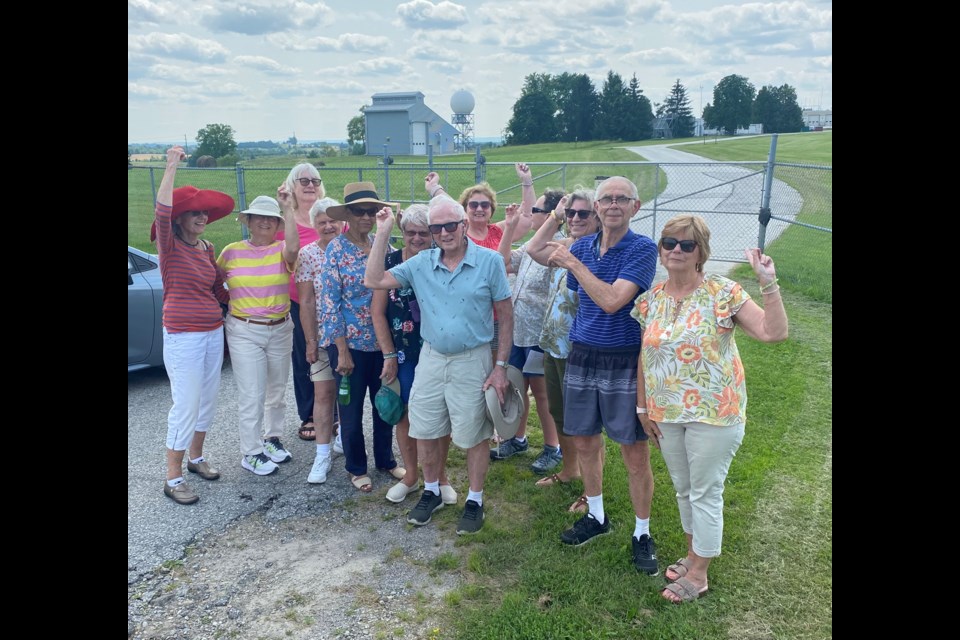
(430, 328)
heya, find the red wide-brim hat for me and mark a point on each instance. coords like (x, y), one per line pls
(217, 204)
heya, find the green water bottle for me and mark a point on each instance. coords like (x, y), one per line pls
(343, 396)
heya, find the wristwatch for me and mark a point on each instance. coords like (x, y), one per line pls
(502, 363)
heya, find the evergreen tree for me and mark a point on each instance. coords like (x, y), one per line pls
(613, 108)
(638, 120)
(576, 101)
(534, 113)
(676, 106)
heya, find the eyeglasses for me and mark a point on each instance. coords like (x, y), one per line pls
(413, 234)
(687, 246)
(623, 201)
(478, 204)
(449, 227)
(539, 210)
(196, 214)
(305, 181)
(583, 214)
(357, 211)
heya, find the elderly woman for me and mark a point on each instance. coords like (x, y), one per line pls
(309, 285)
(396, 321)
(693, 400)
(578, 211)
(259, 330)
(531, 293)
(192, 321)
(305, 186)
(480, 203)
(348, 332)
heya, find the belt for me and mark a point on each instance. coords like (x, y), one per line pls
(268, 323)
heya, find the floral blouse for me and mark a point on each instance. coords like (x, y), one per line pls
(531, 293)
(309, 267)
(555, 336)
(345, 302)
(403, 316)
(691, 366)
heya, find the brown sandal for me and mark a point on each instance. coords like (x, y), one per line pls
(362, 482)
(683, 589)
(580, 506)
(679, 568)
(307, 431)
(550, 480)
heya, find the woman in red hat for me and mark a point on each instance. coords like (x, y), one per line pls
(192, 321)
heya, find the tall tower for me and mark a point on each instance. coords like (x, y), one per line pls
(462, 103)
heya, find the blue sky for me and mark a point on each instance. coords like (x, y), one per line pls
(275, 68)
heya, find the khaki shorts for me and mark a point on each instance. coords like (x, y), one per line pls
(447, 396)
(320, 370)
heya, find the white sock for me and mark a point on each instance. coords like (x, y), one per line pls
(174, 482)
(198, 460)
(642, 527)
(595, 506)
(476, 496)
(520, 439)
(432, 486)
(323, 449)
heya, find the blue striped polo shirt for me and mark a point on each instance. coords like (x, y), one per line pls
(634, 259)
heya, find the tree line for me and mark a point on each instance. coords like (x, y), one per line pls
(568, 108)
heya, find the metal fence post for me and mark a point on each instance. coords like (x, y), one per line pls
(563, 177)
(656, 190)
(153, 185)
(478, 168)
(765, 213)
(242, 196)
(386, 174)
(430, 156)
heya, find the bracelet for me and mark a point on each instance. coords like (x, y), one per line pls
(439, 188)
(392, 354)
(763, 288)
(554, 215)
(641, 410)
(526, 184)
(770, 291)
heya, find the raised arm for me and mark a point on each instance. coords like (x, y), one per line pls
(537, 245)
(505, 247)
(175, 156)
(376, 277)
(609, 297)
(381, 327)
(432, 184)
(291, 239)
(767, 324)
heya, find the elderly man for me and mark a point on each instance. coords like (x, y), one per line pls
(458, 286)
(608, 270)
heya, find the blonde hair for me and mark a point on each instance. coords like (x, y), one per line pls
(295, 173)
(483, 188)
(697, 227)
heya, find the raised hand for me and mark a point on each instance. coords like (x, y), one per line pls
(385, 220)
(523, 172)
(284, 197)
(762, 266)
(431, 182)
(176, 154)
(511, 215)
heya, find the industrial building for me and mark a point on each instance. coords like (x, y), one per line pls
(406, 125)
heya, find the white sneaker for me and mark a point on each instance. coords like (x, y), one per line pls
(400, 491)
(260, 464)
(276, 451)
(338, 444)
(448, 494)
(320, 469)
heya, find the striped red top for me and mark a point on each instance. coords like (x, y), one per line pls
(189, 281)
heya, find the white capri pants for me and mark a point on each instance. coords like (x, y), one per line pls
(193, 360)
(698, 457)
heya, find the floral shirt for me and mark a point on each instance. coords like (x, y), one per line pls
(309, 266)
(691, 366)
(403, 316)
(531, 293)
(345, 302)
(555, 336)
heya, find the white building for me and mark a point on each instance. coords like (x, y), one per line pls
(813, 118)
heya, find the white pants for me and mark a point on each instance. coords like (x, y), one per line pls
(193, 360)
(698, 457)
(260, 356)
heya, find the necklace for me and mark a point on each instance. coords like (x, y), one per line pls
(187, 243)
(681, 301)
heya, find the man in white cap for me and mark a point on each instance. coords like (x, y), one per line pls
(458, 285)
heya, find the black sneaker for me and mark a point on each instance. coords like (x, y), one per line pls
(509, 447)
(584, 530)
(420, 514)
(472, 519)
(645, 555)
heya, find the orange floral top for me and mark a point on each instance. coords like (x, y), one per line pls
(691, 366)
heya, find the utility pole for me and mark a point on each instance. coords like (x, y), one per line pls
(185, 149)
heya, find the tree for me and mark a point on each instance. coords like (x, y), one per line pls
(732, 104)
(777, 109)
(356, 131)
(576, 101)
(676, 106)
(534, 112)
(214, 140)
(613, 107)
(638, 120)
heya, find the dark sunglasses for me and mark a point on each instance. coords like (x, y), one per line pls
(687, 246)
(539, 210)
(583, 214)
(363, 212)
(449, 227)
(305, 181)
(413, 234)
(474, 204)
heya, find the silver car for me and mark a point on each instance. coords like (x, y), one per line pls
(144, 311)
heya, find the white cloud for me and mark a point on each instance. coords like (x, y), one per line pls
(451, 67)
(137, 91)
(345, 42)
(422, 14)
(664, 56)
(178, 45)
(259, 18)
(193, 74)
(265, 64)
(149, 12)
(754, 26)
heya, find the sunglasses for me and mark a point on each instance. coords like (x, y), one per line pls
(583, 214)
(410, 233)
(305, 181)
(539, 210)
(357, 211)
(449, 227)
(477, 204)
(687, 246)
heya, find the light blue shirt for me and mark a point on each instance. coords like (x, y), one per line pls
(456, 308)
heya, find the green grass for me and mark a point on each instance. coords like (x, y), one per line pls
(774, 577)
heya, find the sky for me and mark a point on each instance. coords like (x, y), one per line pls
(272, 69)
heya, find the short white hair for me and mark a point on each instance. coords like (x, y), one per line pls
(444, 201)
(321, 206)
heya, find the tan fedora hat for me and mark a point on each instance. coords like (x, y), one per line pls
(355, 193)
(506, 418)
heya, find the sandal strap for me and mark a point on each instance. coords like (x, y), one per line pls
(684, 589)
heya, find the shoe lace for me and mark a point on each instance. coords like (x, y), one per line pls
(425, 500)
(585, 524)
(274, 442)
(258, 459)
(643, 545)
(471, 510)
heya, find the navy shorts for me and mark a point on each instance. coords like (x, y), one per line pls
(518, 358)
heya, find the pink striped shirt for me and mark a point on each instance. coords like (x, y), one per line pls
(258, 279)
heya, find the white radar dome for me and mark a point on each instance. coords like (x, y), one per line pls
(462, 101)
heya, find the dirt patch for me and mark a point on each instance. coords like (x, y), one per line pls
(356, 572)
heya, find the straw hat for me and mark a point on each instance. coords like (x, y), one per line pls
(357, 193)
(188, 198)
(506, 418)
